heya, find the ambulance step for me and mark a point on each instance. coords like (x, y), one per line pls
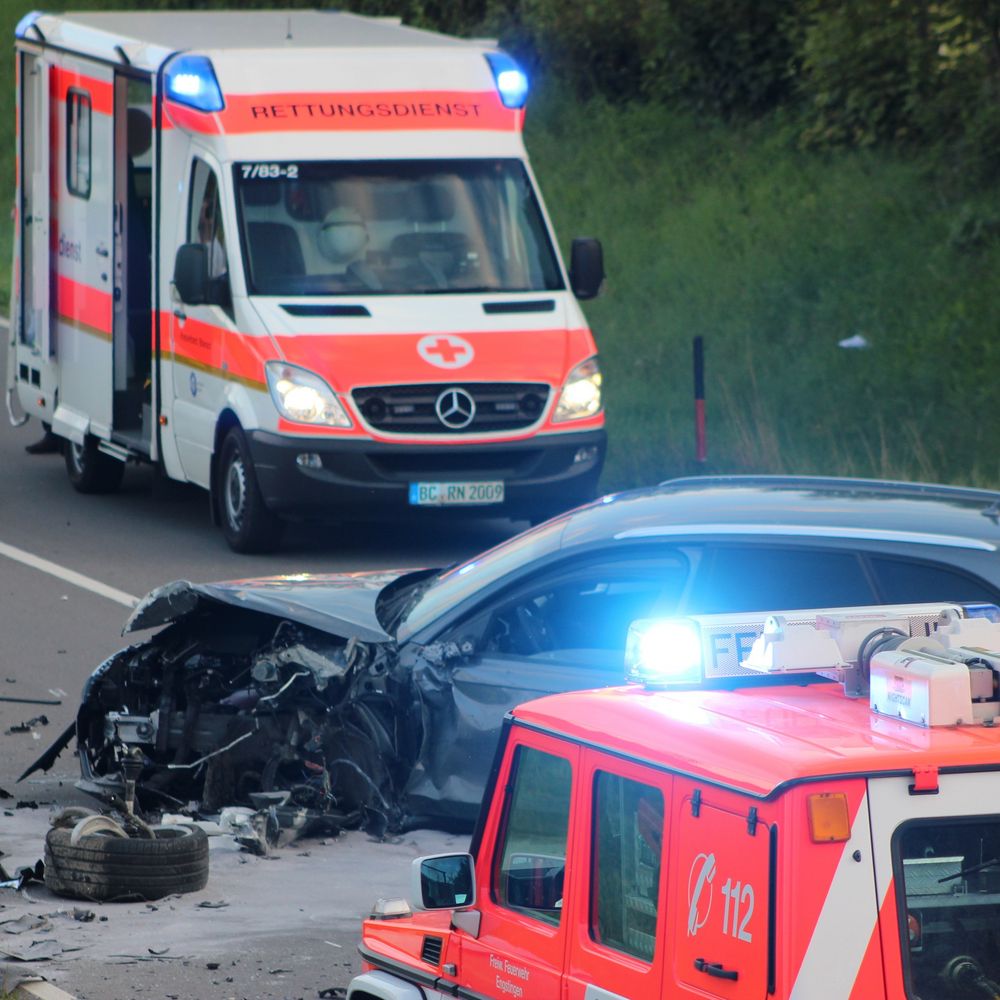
(114, 450)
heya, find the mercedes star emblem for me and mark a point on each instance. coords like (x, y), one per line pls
(455, 408)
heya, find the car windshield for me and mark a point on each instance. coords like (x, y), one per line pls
(392, 227)
(430, 598)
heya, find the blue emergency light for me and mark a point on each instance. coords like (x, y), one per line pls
(511, 80)
(26, 22)
(663, 651)
(191, 80)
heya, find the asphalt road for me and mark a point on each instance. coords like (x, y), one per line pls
(69, 565)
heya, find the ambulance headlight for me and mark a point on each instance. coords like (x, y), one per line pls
(304, 397)
(581, 395)
(511, 80)
(661, 652)
(191, 80)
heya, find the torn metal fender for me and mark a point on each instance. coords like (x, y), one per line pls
(341, 604)
(50, 756)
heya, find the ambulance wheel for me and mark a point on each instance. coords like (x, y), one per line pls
(90, 470)
(247, 524)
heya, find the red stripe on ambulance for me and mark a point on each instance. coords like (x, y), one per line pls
(352, 112)
(84, 305)
(101, 92)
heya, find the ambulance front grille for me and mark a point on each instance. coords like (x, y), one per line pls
(431, 951)
(415, 409)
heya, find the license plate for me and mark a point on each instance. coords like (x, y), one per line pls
(455, 494)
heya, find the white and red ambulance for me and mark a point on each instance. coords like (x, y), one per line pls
(822, 823)
(299, 259)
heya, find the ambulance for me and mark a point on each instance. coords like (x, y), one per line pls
(803, 806)
(298, 259)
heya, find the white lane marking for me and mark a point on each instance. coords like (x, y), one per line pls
(68, 575)
(54, 569)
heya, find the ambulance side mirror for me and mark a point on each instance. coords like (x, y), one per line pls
(444, 881)
(191, 274)
(586, 267)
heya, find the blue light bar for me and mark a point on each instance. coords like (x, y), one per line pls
(661, 652)
(191, 80)
(982, 610)
(511, 80)
(25, 23)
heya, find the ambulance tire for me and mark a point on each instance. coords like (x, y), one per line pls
(90, 470)
(247, 524)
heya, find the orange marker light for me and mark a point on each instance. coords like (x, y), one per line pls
(829, 819)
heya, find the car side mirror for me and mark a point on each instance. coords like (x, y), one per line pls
(586, 267)
(444, 881)
(191, 274)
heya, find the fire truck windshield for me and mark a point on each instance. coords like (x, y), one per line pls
(392, 227)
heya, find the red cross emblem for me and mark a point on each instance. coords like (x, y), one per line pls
(445, 350)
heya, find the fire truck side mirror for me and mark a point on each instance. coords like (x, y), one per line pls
(444, 881)
(586, 267)
(191, 274)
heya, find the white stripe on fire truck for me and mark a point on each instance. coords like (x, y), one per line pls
(846, 923)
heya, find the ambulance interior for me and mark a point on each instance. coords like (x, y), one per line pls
(951, 884)
(392, 228)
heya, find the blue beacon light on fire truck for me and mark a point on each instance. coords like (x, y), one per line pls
(663, 652)
(737, 647)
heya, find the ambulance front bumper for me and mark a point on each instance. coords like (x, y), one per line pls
(312, 477)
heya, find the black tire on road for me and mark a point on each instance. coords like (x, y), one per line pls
(117, 869)
(89, 469)
(247, 524)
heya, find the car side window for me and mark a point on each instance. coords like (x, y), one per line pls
(579, 613)
(627, 848)
(903, 581)
(531, 853)
(757, 578)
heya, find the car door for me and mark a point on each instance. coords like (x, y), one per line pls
(562, 629)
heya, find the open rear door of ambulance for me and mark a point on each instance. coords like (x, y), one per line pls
(28, 362)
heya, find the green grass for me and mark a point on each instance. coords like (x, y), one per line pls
(773, 255)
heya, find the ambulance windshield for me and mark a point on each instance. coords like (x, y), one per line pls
(392, 228)
(950, 904)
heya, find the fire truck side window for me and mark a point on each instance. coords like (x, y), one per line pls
(949, 870)
(628, 842)
(531, 855)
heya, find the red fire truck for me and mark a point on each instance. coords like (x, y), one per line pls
(821, 821)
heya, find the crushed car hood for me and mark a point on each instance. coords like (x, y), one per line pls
(341, 604)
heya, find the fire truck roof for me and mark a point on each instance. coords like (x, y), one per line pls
(756, 739)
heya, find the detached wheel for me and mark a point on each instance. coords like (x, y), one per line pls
(111, 868)
(90, 470)
(247, 524)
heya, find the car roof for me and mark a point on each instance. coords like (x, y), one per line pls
(837, 507)
(756, 739)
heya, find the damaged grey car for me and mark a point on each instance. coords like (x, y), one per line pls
(377, 699)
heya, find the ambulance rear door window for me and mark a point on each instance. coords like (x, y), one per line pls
(947, 876)
(78, 142)
(627, 848)
(531, 857)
